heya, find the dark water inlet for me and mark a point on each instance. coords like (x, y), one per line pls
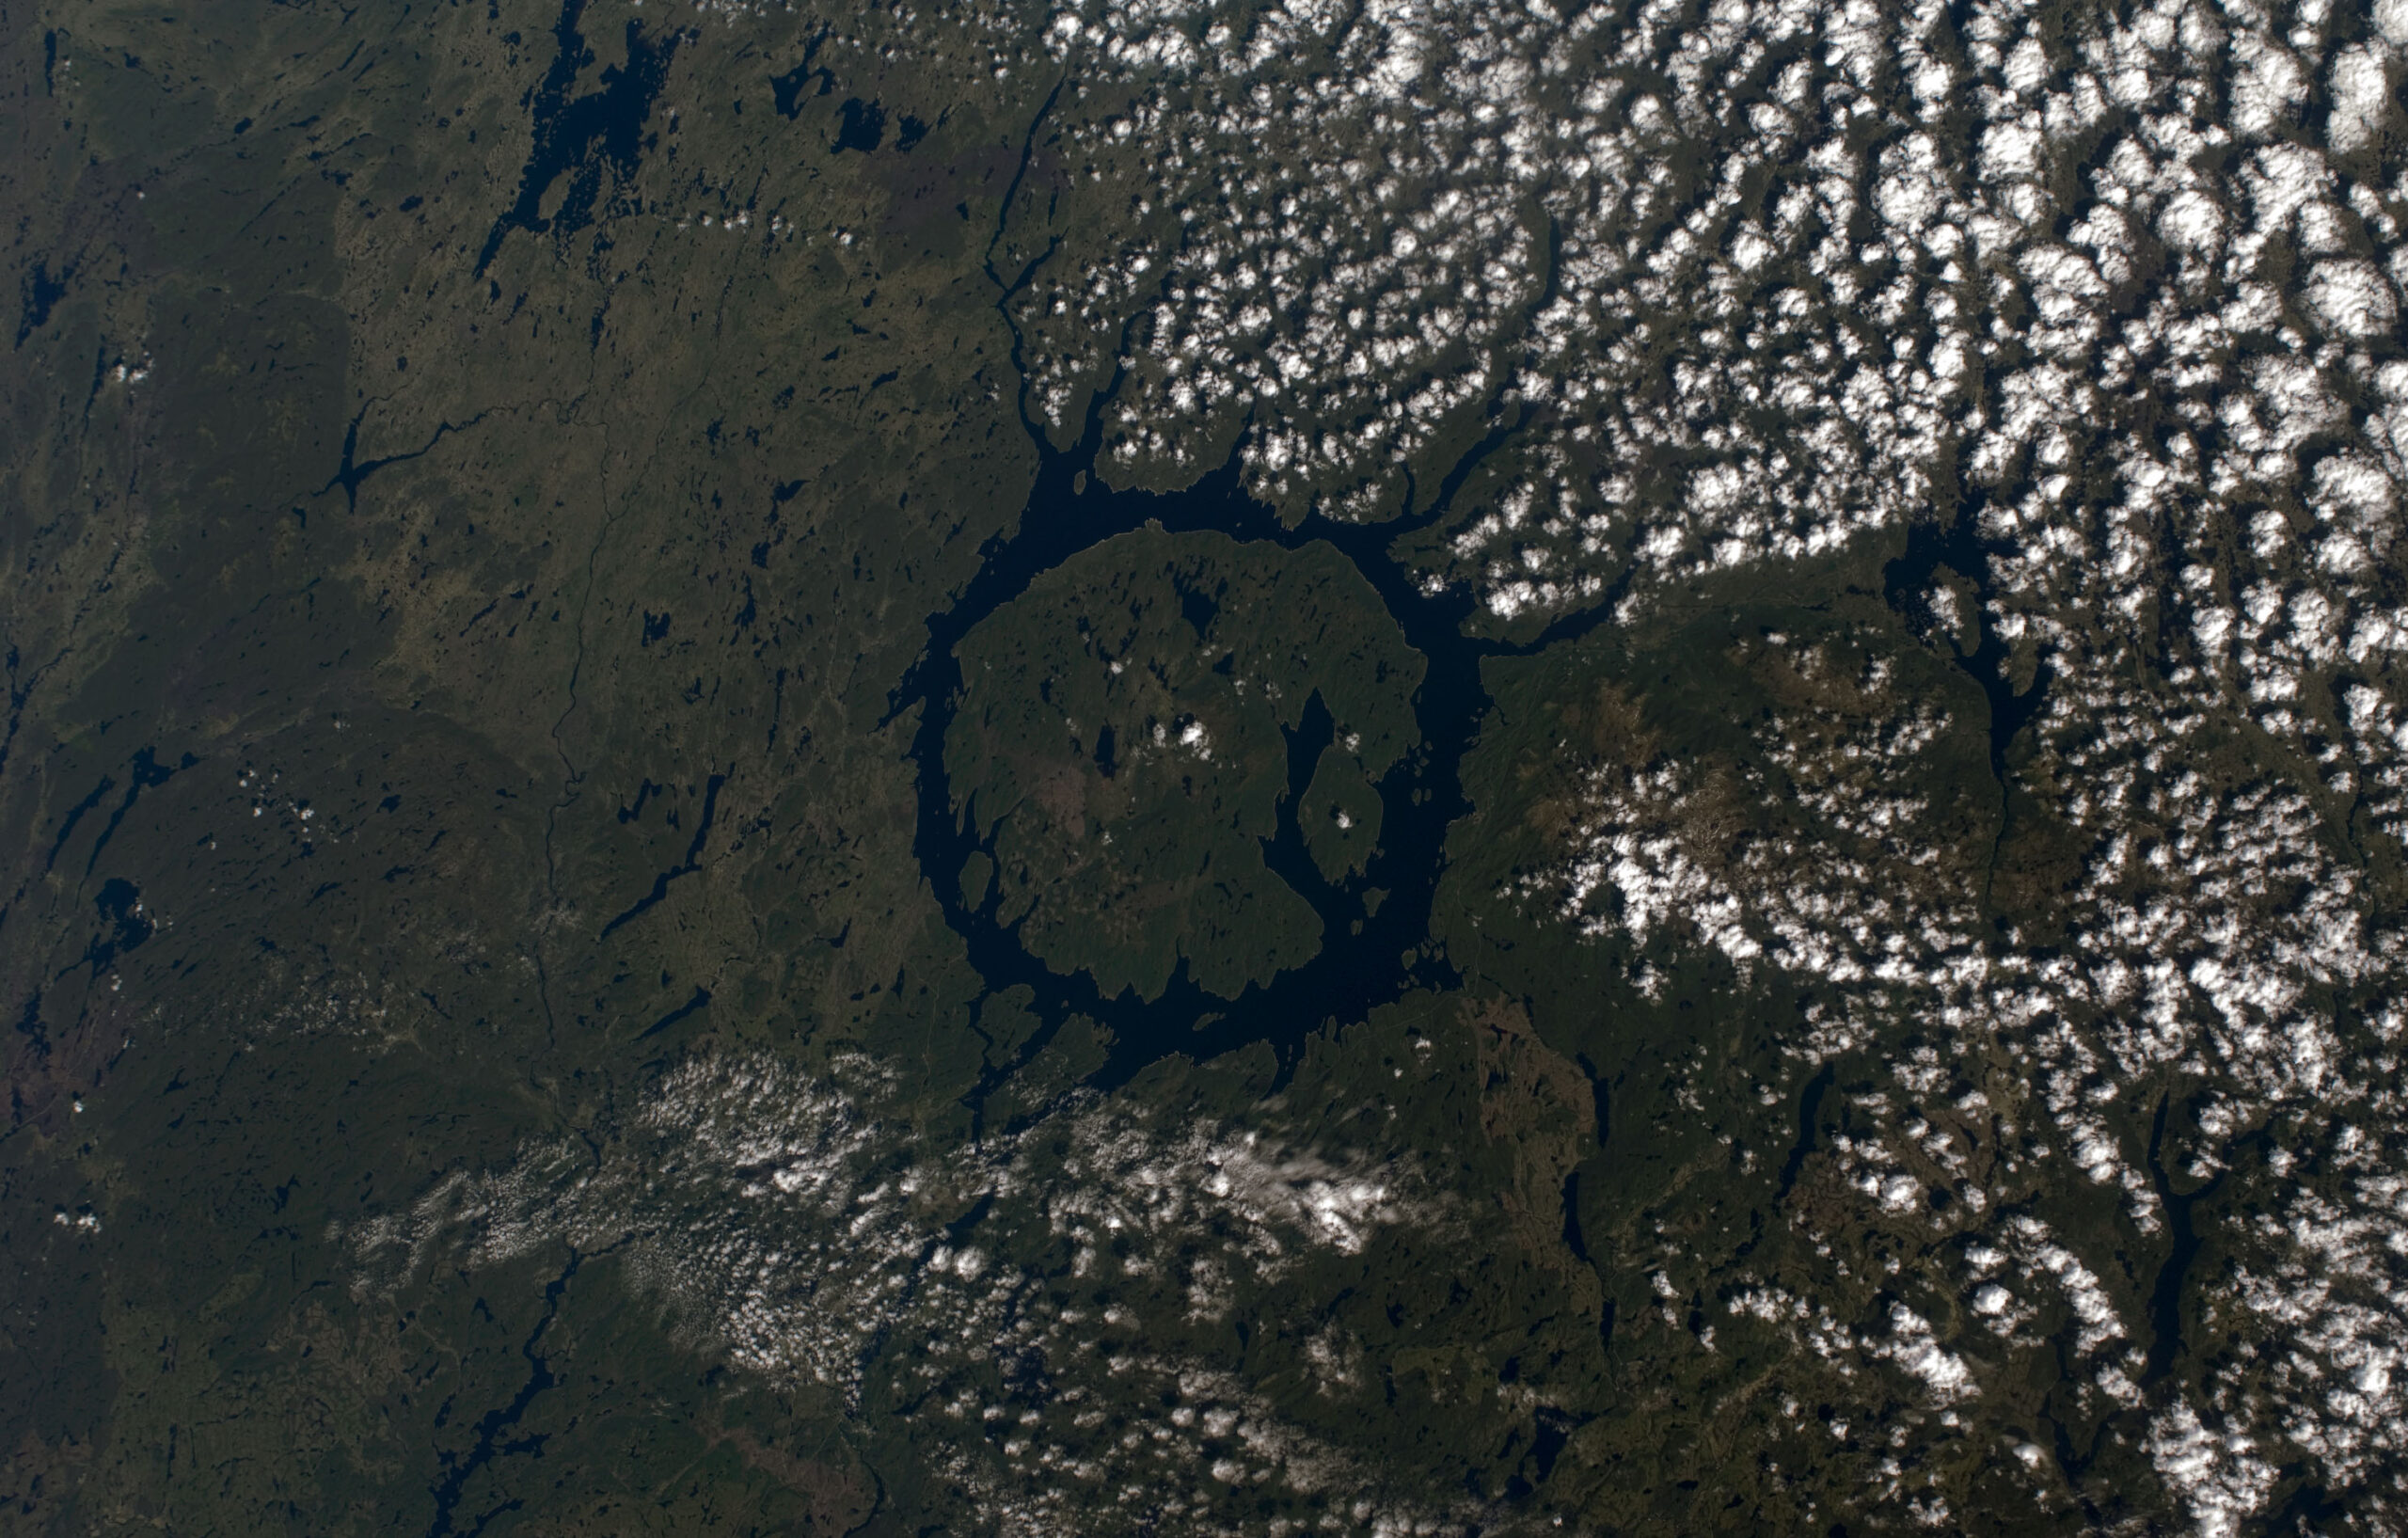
(1810, 1108)
(1910, 577)
(580, 137)
(457, 1471)
(2165, 1294)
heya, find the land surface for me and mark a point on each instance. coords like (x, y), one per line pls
(1199, 768)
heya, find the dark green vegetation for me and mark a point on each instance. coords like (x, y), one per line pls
(1130, 717)
(477, 479)
(459, 670)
